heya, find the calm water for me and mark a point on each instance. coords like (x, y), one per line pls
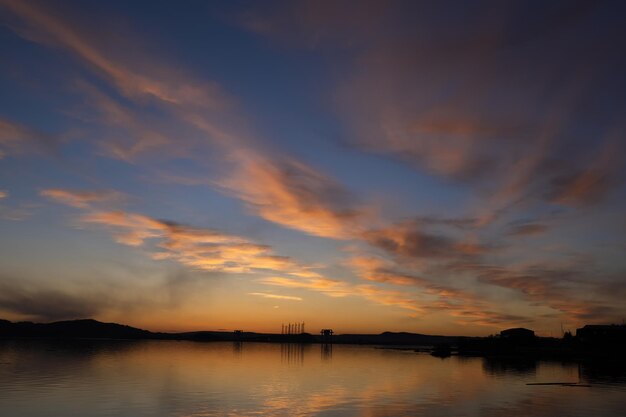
(163, 378)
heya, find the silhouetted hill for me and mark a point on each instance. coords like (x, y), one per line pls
(596, 341)
(391, 338)
(93, 329)
(86, 328)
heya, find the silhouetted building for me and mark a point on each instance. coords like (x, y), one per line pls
(327, 335)
(518, 334)
(598, 333)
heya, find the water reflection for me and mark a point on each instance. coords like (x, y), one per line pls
(504, 366)
(609, 373)
(292, 353)
(237, 348)
(115, 378)
(326, 350)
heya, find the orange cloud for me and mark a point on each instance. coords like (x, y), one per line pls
(460, 102)
(198, 248)
(130, 229)
(215, 251)
(279, 189)
(44, 24)
(183, 99)
(389, 298)
(212, 250)
(203, 249)
(275, 296)
(589, 185)
(377, 269)
(384, 271)
(333, 288)
(81, 199)
(488, 318)
(462, 306)
(294, 195)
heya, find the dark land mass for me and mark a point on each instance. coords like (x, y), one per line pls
(590, 342)
(93, 329)
(88, 329)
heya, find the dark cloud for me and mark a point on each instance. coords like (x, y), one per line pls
(413, 243)
(315, 24)
(463, 223)
(583, 187)
(409, 240)
(16, 138)
(561, 287)
(49, 304)
(487, 317)
(529, 229)
(483, 93)
(41, 302)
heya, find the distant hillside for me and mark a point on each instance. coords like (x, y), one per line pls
(597, 342)
(87, 328)
(391, 338)
(93, 329)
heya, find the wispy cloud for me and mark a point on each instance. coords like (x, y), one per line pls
(213, 250)
(519, 150)
(295, 195)
(409, 239)
(16, 138)
(395, 298)
(129, 228)
(130, 132)
(48, 304)
(330, 287)
(276, 187)
(501, 125)
(590, 184)
(529, 229)
(336, 288)
(18, 213)
(314, 24)
(15, 211)
(560, 287)
(510, 129)
(45, 24)
(461, 305)
(198, 248)
(275, 296)
(81, 198)
(489, 318)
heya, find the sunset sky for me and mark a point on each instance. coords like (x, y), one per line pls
(433, 167)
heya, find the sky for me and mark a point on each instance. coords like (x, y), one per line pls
(450, 168)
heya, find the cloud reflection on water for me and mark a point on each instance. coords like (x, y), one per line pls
(185, 379)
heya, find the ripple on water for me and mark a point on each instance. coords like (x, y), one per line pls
(185, 379)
